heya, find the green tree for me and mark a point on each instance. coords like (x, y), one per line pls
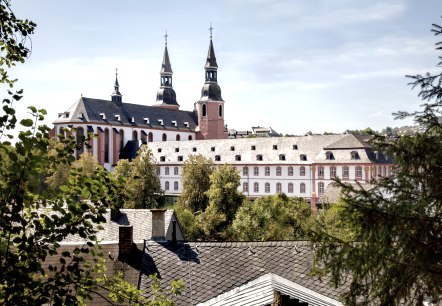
(276, 217)
(142, 185)
(396, 256)
(224, 201)
(196, 182)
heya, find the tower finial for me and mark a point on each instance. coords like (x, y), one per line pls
(116, 96)
(210, 29)
(165, 38)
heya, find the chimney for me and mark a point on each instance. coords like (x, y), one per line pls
(158, 224)
(125, 239)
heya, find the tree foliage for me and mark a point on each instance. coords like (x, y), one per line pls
(142, 184)
(276, 217)
(396, 256)
(195, 183)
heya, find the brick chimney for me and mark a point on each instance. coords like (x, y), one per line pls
(125, 239)
(158, 224)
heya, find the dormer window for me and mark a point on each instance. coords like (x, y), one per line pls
(232, 148)
(253, 148)
(180, 158)
(159, 150)
(132, 119)
(217, 158)
(303, 157)
(194, 149)
(281, 157)
(212, 149)
(66, 115)
(160, 121)
(102, 115)
(146, 120)
(80, 116)
(329, 155)
(295, 147)
(259, 157)
(186, 124)
(174, 123)
(177, 149)
(238, 157)
(275, 147)
(117, 117)
(355, 155)
(162, 158)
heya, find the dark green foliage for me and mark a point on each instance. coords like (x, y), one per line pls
(396, 256)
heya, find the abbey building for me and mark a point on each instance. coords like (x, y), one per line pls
(122, 127)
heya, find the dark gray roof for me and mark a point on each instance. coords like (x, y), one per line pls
(88, 110)
(166, 66)
(212, 268)
(211, 58)
(349, 141)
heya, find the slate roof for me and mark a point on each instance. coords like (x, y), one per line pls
(88, 110)
(212, 268)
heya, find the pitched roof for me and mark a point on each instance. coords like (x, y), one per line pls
(349, 141)
(88, 110)
(211, 59)
(210, 269)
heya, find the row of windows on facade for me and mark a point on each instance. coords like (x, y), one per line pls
(167, 186)
(290, 187)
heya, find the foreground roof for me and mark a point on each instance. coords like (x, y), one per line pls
(216, 272)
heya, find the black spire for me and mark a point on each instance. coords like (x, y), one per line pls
(211, 90)
(116, 95)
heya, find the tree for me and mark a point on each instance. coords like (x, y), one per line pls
(142, 186)
(276, 217)
(396, 255)
(224, 201)
(195, 182)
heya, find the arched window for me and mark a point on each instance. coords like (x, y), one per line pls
(255, 171)
(80, 141)
(175, 170)
(150, 137)
(166, 186)
(267, 188)
(255, 187)
(245, 170)
(204, 110)
(320, 188)
(106, 145)
(135, 135)
(220, 110)
(278, 171)
(178, 137)
(384, 171)
(329, 155)
(175, 186)
(278, 187)
(290, 188)
(302, 171)
(166, 171)
(143, 137)
(164, 137)
(121, 139)
(290, 171)
(190, 137)
(302, 188)
(245, 187)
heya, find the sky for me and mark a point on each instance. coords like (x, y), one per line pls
(293, 65)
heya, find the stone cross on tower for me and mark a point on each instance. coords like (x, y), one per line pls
(165, 37)
(210, 29)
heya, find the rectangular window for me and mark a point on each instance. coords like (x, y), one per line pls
(321, 171)
(267, 188)
(290, 171)
(302, 171)
(256, 171)
(345, 172)
(267, 171)
(255, 187)
(245, 171)
(278, 171)
(332, 171)
(358, 172)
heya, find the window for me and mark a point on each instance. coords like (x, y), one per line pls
(259, 157)
(295, 147)
(175, 186)
(164, 137)
(245, 171)
(204, 111)
(373, 171)
(166, 186)
(281, 157)
(80, 141)
(255, 187)
(166, 171)
(320, 188)
(329, 155)
(217, 158)
(177, 150)
(321, 171)
(150, 137)
(158, 170)
(178, 137)
(162, 158)
(253, 148)
(180, 158)
(121, 139)
(175, 170)
(358, 171)
(106, 145)
(278, 187)
(345, 171)
(302, 171)
(212, 149)
(194, 149)
(267, 171)
(255, 171)
(234, 168)
(303, 157)
(238, 157)
(355, 155)
(134, 135)
(302, 188)
(220, 111)
(190, 137)
(384, 171)
(332, 171)
(245, 187)
(143, 137)
(290, 188)
(290, 171)
(159, 150)
(232, 148)
(267, 188)
(278, 171)
(275, 147)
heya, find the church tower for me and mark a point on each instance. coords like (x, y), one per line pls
(210, 107)
(166, 96)
(116, 96)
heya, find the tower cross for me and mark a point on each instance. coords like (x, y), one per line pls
(210, 29)
(116, 71)
(165, 37)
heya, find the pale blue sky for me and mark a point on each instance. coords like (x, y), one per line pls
(294, 65)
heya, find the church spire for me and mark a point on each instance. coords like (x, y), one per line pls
(211, 90)
(116, 95)
(211, 58)
(166, 96)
